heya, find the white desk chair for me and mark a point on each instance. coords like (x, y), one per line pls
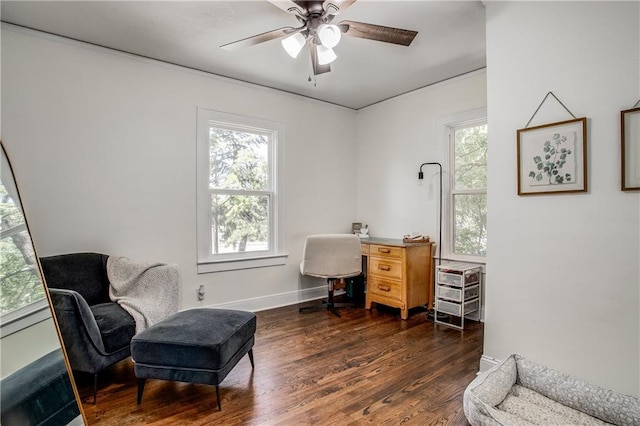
(331, 256)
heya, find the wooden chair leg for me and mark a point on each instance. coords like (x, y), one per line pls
(141, 383)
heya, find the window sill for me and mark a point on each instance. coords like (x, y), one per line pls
(28, 316)
(206, 267)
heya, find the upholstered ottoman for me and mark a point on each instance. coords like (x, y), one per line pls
(194, 346)
(39, 394)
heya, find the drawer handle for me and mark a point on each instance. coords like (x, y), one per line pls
(384, 287)
(384, 267)
(383, 250)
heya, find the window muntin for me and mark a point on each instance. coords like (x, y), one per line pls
(238, 196)
(468, 189)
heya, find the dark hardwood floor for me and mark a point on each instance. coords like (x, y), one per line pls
(368, 367)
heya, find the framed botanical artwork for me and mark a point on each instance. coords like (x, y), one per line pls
(552, 158)
(630, 125)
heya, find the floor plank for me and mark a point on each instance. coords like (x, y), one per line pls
(368, 367)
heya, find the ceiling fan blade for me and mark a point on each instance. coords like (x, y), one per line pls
(288, 6)
(260, 38)
(334, 7)
(317, 68)
(377, 32)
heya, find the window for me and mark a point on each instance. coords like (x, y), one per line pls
(20, 285)
(467, 195)
(238, 196)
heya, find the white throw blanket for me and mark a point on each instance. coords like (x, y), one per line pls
(148, 292)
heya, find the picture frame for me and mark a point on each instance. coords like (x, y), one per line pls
(355, 227)
(630, 149)
(552, 158)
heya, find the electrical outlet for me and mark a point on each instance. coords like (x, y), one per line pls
(201, 292)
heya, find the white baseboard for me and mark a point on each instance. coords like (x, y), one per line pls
(274, 300)
(486, 362)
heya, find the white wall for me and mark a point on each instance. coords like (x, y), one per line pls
(394, 138)
(564, 269)
(19, 349)
(103, 145)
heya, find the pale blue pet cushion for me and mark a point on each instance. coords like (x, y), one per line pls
(518, 391)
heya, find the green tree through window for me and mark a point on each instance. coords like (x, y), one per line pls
(469, 189)
(240, 189)
(19, 280)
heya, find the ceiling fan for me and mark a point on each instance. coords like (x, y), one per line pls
(318, 32)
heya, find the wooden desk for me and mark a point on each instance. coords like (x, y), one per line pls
(398, 274)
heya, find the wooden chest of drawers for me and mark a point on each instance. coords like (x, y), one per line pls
(399, 275)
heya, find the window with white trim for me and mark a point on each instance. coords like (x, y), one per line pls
(466, 219)
(23, 299)
(239, 201)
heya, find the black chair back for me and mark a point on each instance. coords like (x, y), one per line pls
(85, 273)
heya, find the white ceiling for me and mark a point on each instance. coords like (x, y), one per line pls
(450, 41)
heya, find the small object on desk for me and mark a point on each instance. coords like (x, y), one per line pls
(415, 238)
(364, 231)
(355, 227)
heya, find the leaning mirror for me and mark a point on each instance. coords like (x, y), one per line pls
(36, 383)
(630, 124)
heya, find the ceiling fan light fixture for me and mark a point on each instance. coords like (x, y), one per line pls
(329, 35)
(326, 55)
(294, 44)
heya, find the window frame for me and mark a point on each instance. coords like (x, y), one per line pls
(448, 126)
(38, 310)
(276, 255)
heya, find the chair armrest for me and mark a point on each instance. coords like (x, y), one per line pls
(75, 319)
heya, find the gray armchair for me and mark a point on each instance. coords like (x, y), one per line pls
(96, 331)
